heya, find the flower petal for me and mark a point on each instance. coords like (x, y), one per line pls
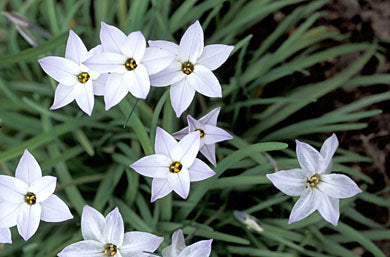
(28, 169)
(338, 186)
(309, 158)
(75, 48)
(55, 210)
(63, 70)
(63, 96)
(194, 124)
(107, 62)
(327, 151)
(5, 236)
(43, 188)
(177, 245)
(200, 171)
(28, 220)
(156, 59)
(306, 205)
(191, 44)
(86, 248)
(92, 224)
(211, 117)
(181, 133)
(117, 87)
(94, 51)
(134, 46)
(187, 149)
(99, 84)
(84, 96)
(165, 45)
(205, 82)
(9, 214)
(172, 74)
(112, 38)
(164, 142)
(135, 241)
(209, 152)
(160, 188)
(12, 189)
(114, 230)
(214, 56)
(201, 248)
(140, 84)
(329, 209)
(180, 182)
(181, 94)
(155, 166)
(291, 182)
(214, 135)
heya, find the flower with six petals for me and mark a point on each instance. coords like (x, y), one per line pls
(179, 249)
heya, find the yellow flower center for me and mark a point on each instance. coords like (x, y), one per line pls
(201, 132)
(314, 180)
(130, 64)
(30, 198)
(110, 249)
(187, 68)
(83, 77)
(175, 167)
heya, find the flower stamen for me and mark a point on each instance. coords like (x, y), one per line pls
(30, 198)
(202, 134)
(175, 167)
(187, 68)
(314, 180)
(110, 249)
(83, 77)
(130, 64)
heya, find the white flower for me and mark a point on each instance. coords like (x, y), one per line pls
(210, 134)
(317, 188)
(5, 236)
(76, 80)
(106, 237)
(191, 70)
(28, 198)
(129, 62)
(179, 249)
(174, 165)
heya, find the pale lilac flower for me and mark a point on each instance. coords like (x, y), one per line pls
(174, 165)
(76, 80)
(5, 236)
(129, 63)
(191, 70)
(107, 237)
(28, 198)
(317, 188)
(179, 249)
(210, 134)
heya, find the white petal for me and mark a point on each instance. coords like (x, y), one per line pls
(92, 224)
(55, 210)
(135, 46)
(107, 62)
(28, 169)
(164, 142)
(5, 236)
(86, 248)
(156, 59)
(200, 171)
(180, 182)
(211, 117)
(99, 84)
(338, 186)
(306, 205)
(193, 124)
(166, 45)
(214, 56)
(309, 158)
(160, 188)
(291, 182)
(9, 214)
(329, 209)
(140, 84)
(43, 188)
(12, 189)
(94, 51)
(28, 220)
(191, 44)
(177, 245)
(63, 70)
(84, 96)
(63, 96)
(75, 48)
(117, 87)
(114, 231)
(172, 74)
(205, 82)
(181, 94)
(155, 166)
(181, 133)
(201, 248)
(112, 38)
(139, 242)
(327, 151)
(187, 149)
(209, 152)
(214, 135)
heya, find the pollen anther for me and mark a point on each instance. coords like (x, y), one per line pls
(187, 68)
(30, 198)
(110, 249)
(175, 167)
(83, 77)
(201, 132)
(314, 180)
(130, 64)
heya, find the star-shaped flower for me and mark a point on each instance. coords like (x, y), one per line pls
(5, 236)
(106, 237)
(191, 70)
(76, 80)
(209, 133)
(28, 198)
(317, 188)
(174, 165)
(129, 62)
(179, 249)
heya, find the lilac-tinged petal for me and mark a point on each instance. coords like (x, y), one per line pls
(200, 171)
(99, 84)
(86, 248)
(205, 82)
(5, 236)
(160, 188)
(187, 149)
(201, 248)
(114, 230)
(181, 133)
(180, 182)
(9, 214)
(84, 96)
(134, 46)
(63, 96)
(135, 241)
(12, 189)
(181, 94)
(75, 48)
(155, 166)
(140, 84)
(63, 70)
(327, 151)
(107, 62)
(92, 224)
(191, 44)
(172, 74)
(211, 117)
(177, 245)
(193, 124)
(338, 186)
(209, 152)
(112, 38)
(164, 142)
(214, 56)
(28, 220)
(117, 87)
(309, 158)
(214, 135)
(291, 182)
(43, 188)
(329, 209)
(165, 45)
(306, 205)
(156, 59)
(55, 210)
(28, 169)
